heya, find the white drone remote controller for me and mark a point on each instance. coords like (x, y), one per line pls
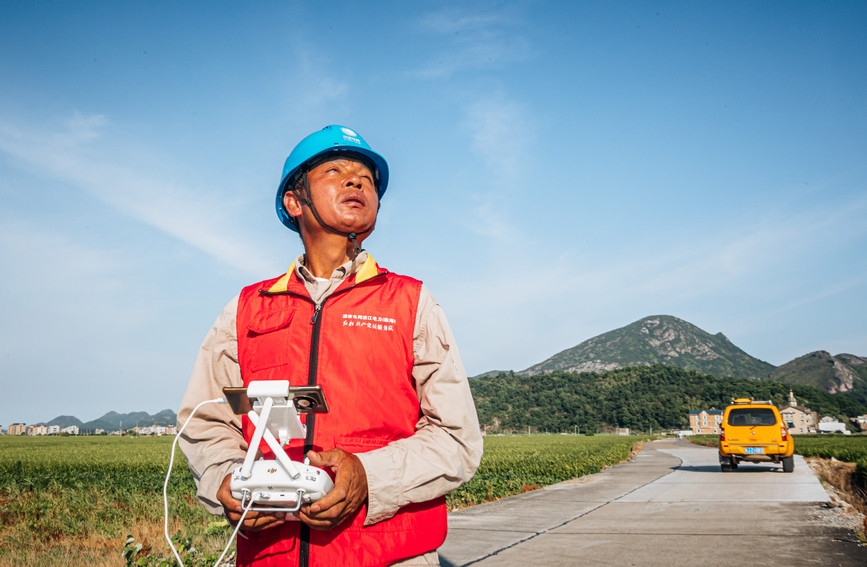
(280, 485)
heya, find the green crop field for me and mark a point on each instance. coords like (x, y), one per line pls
(74, 500)
(848, 448)
(514, 464)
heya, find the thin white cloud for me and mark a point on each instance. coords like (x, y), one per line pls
(452, 23)
(742, 252)
(44, 260)
(314, 91)
(830, 291)
(82, 155)
(81, 332)
(500, 134)
(472, 42)
(554, 298)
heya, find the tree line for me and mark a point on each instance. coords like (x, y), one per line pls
(640, 398)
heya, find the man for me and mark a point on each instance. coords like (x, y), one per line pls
(402, 428)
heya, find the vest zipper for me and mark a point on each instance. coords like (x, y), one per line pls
(304, 548)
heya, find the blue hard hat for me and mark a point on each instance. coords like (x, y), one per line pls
(331, 139)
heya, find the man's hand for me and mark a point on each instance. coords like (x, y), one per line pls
(253, 521)
(349, 493)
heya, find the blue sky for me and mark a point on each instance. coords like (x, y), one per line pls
(558, 170)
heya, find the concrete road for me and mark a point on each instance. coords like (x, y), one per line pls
(671, 505)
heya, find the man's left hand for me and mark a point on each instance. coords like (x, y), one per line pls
(349, 493)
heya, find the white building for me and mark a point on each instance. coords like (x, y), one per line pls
(830, 424)
(37, 430)
(53, 430)
(72, 430)
(156, 430)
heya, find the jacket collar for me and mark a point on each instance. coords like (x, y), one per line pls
(367, 270)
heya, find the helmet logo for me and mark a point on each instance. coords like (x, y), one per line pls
(349, 132)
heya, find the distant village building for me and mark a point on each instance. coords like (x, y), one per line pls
(860, 421)
(99, 432)
(156, 430)
(622, 431)
(53, 429)
(72, 430)
(37, 430)
(17, 429)
(830, 424)
(798, 419)
(705, 422)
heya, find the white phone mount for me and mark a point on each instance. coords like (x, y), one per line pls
(282, 485)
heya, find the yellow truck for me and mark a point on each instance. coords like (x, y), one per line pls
(753, 431)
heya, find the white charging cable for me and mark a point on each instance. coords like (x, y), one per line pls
(166, 487)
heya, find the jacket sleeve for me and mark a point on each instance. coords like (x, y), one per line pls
(446, 448)
(212, 441)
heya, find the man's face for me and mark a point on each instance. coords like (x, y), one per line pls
(343, 192)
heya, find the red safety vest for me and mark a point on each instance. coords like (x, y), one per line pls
(358, 347)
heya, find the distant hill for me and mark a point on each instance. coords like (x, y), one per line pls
(843, 373)
(660, 339)
(113, 421)
(489, 373)
(65, 421)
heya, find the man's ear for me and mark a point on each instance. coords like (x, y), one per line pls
(292, 204)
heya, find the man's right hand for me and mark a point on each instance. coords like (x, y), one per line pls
(253, 521)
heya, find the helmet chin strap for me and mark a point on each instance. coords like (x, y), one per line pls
(308, 200)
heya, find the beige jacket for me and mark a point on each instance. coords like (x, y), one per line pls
(443, 453)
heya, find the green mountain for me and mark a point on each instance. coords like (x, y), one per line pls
(640, 398)
(64, 421)
(112, 421)
(660, 339)
(843, 373)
